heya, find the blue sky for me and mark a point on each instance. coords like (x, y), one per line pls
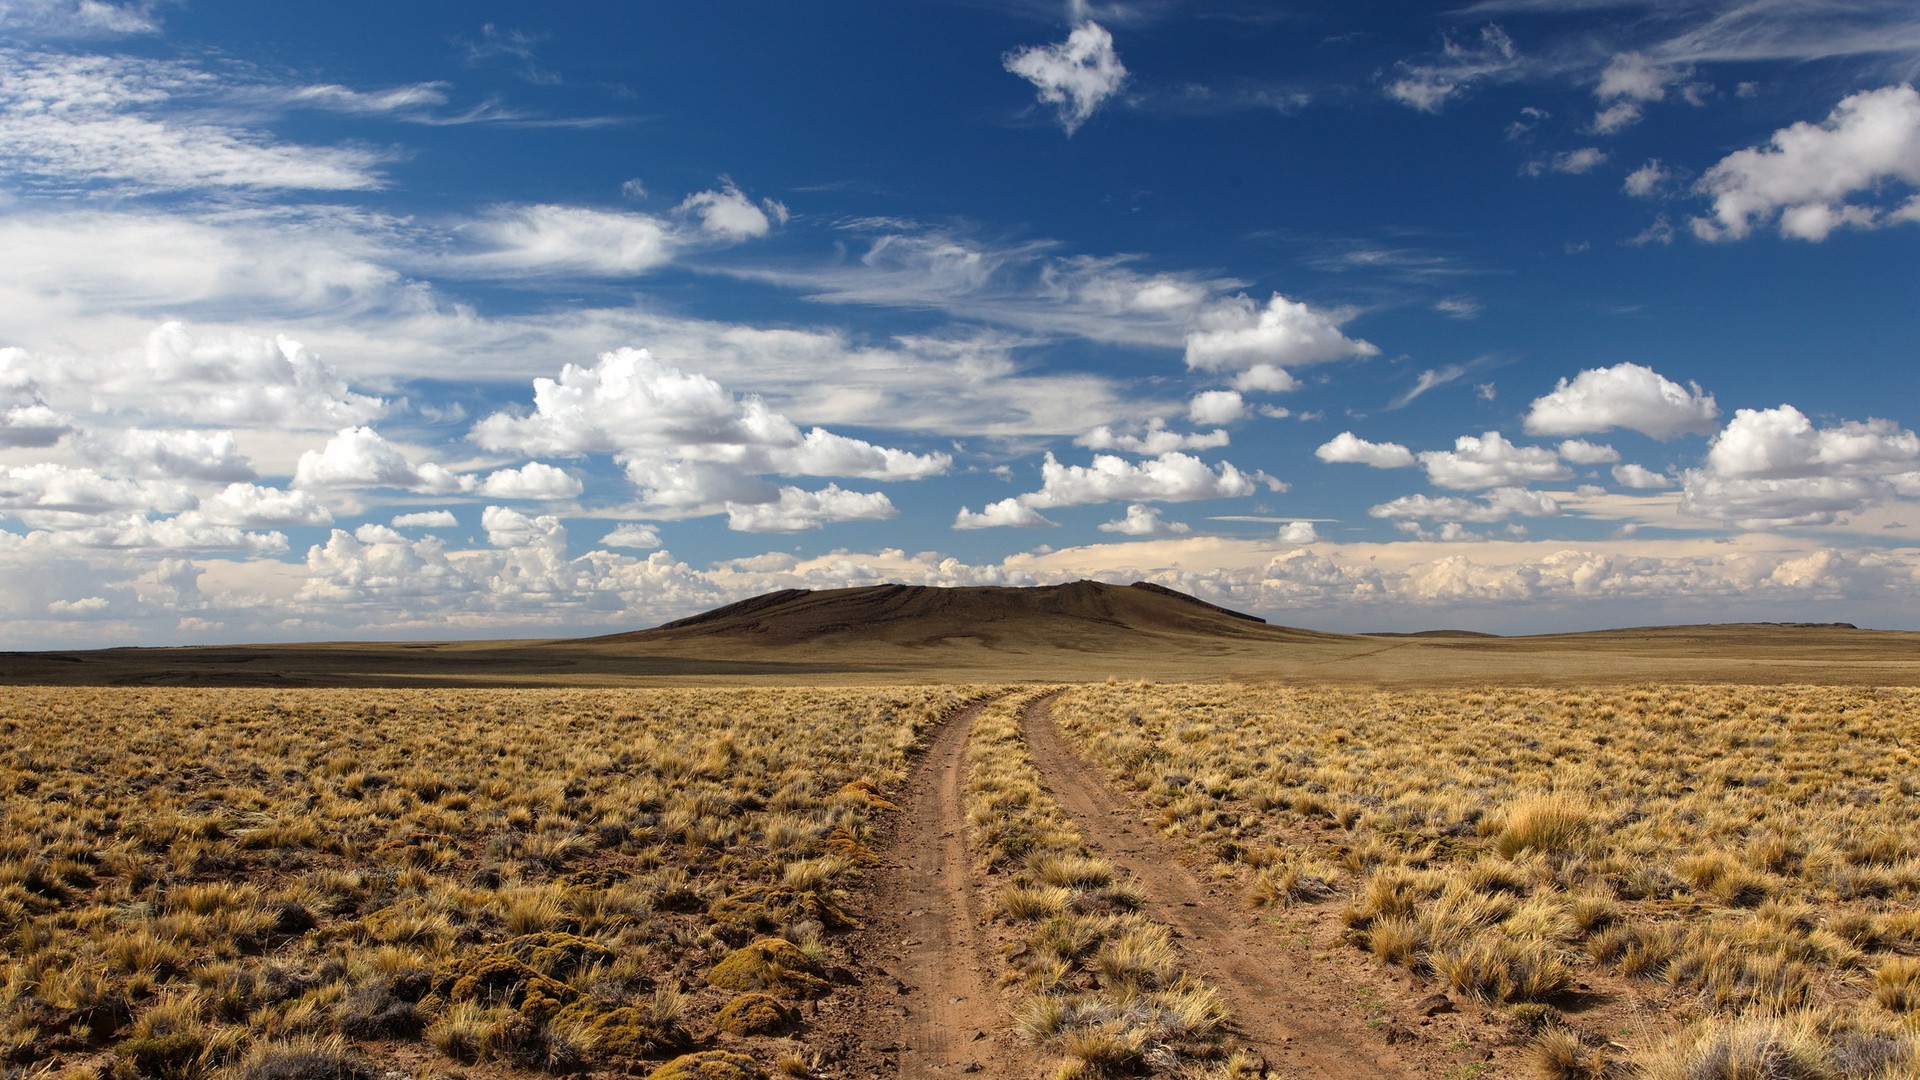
(480, 320)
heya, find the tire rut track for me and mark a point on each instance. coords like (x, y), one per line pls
(1277, 1006)
(926, 926)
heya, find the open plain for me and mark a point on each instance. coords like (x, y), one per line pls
(1078, 831)
(898, 634)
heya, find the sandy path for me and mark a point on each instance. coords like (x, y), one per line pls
(1279, 1006)
(934, 1010)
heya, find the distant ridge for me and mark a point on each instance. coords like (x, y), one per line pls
(1088, 615)
(1079, 631)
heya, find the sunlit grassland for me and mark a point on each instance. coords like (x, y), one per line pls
(1100, 986)
(1739, 863)
(260, 883)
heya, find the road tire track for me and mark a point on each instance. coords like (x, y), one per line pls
(931, 1007)
(1278, 1006)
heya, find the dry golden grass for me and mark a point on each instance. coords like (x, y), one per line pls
(1101, 985)
(1711, 856)
(267, 885)
(270, 884)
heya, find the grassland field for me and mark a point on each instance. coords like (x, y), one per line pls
(1690, 882)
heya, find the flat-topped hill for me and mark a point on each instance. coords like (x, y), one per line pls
(1082, 615)
(1083, 630)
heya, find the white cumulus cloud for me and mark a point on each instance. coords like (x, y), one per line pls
(509, 528)
(1216, 407)
(88, 605)
(49, 487)
(1623, 396)
(360, 457)
(728, 214)
(426, 519)
(1170, 477)
(1144, 520)
(683, 438)
(630, 403)
(1809, 175)
(1349, 448)
(181, 533)
(1265, 378)
(378, 564)
(1011, 513)
(183, 455)
(534, 480)
(252, 506)
(1648, 180)
(1489, 461)
(236, 378)
(632, 535)
(1582, 452)
(1237, 335)
(1298, 532)
(1640, 477)
(32, 425)
(1769, 502)
(796, 510)
(1499, 504)
(1782, 442)
(25, 418)
(1075, 76)
(1774, 467)
(1632, 81)
(1174, 477)
(1157, 439)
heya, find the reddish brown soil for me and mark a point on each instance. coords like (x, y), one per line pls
(928, 1005)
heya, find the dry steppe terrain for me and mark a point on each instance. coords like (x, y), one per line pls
(1213, 848)
(898, 634)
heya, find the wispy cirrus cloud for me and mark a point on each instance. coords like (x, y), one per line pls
(1729, 31)
(1659, 51)
(78, 18)
(80, 122)
(1430, 83)
(1754, 30)
(1029, 283)
(131, 125)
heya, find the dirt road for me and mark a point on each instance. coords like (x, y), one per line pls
(934, 1010)
(927, 1004)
